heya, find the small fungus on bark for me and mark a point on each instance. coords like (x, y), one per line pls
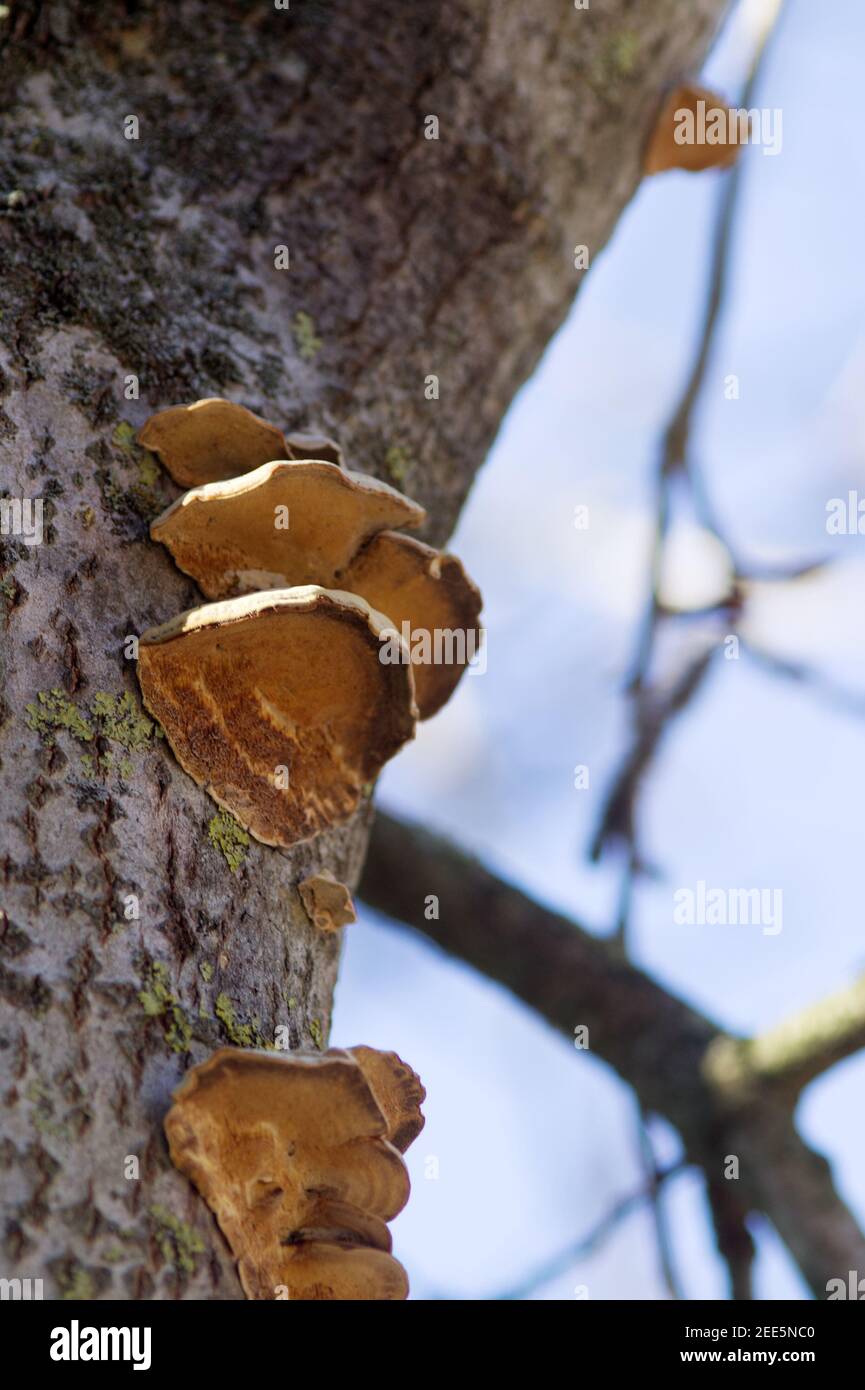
(292, 1154)
(695, 130)
(327, 901)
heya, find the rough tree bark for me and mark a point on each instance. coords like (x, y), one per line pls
(153, 258)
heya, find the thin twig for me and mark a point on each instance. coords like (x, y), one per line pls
(586, 1245)
(651, 717)
(653, 1179)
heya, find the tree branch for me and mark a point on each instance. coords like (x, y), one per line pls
(800, 1048)
(589, 1243)
(680, 1063)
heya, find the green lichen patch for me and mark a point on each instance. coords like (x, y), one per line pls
(229, 838)
(618, 59)
(114, 1255)
(141, 492)
(52, 711)
(42, 1116)
(121, 719)
(178, 1242)
(316, 1032)
(241, 1034)
(157, 1001)
(125, 438)
(397, 462)
(124, 435)
(207, 970)
(77, 1285)
(308, 345)
(115, 719)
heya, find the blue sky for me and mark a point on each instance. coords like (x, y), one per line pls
(760, 782)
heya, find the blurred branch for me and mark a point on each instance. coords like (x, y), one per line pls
(653, 1177)
(580, 1249)
(573, 979)
(652, 713)
(845, 701)
(680, 1064)
(650, 716)
(798, 1050)
(732, 1237)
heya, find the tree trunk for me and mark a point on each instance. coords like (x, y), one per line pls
(154, 158)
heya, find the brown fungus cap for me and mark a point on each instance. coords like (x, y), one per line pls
(398, 1091)
(664, 151)
(313, 446)
(433, 596)
(327, 901)
(211, 440)
(291, 1154)
(286, 523)
(278, 705)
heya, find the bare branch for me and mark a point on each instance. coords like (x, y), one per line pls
(588, 1244)
(680, 1063)
(799, 1049)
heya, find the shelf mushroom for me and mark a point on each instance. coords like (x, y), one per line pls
(313, 446)
(339, 533)
(398, 1091)
(695, 130)
(285, 523)
(211, 440)
(294, 1156)
(267, 713)
(327, 901)
(278, 705)
(431, 603)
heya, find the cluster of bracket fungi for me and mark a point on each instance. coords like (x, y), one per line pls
(273, 695)
(300, 1160)
(275, 699)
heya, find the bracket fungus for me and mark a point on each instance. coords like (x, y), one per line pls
(243, 689)
(432, 605)
(695, 130)
(327, 901)
(285, 679)
(228, 536)
(211, 440)
(313, 446)
(398, 1091)
(293, 1155)
(339, 535)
